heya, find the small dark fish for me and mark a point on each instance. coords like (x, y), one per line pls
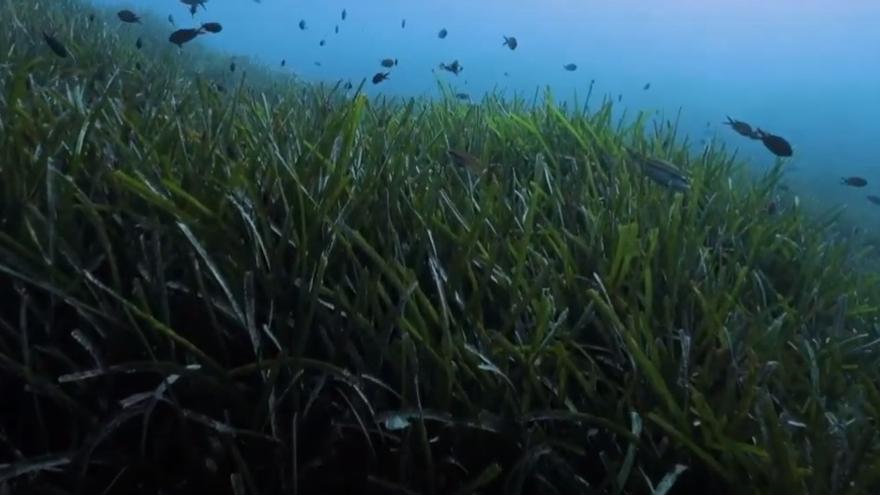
(388, 62)
(853, 181)
(302, 25)
(380, 76)
(283, 62)
(55, 45)
(646, 87)
(232, 67)
(510, 42)
(91, 17)
(212, 27)
(741, 128)
(194, 5)
(776, 144)
(322, 43)
(336, 29)
(442, 34)
(221, 88)
(137, 65)
(570, 67)
(874, 199)
(620, 97)
(463, 96)
(506, 74)
(348, 85)
(403, 24)
(454, 67)
(138, 44)
(182, 36)
(772, 207)
(128, 16)
(317, 64)
(344, 14)
(171, 19)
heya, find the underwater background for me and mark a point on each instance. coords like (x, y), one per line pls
(430, 248)
(808, 70)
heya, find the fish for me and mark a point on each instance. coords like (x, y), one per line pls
(336, 29)
(55, 45)
(620, 97)
(232, 66)
(138, 44)
(454, 67)
(302, 25)
(317, 64)
(463, 159)
(874, 199)
(182, 36)
(344, 14)
(853, 181)
(402, 23)
(322, 43)
(664, 173)
(510, 42)
(128, 16)
(91, 18)
(137, 65)
(570, 67)
(283, 62)
(194, 5)
(221, 88)
(212, 27)
(348, 85)
(740, 128)
(171, 19)
(388, 62)
(776, 144)
(380, 76)
(463, 96)
(506, 74)
(442, 34)
(646, 87)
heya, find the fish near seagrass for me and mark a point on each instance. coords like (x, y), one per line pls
(510, 42)
(776, 144)
(463, 159)
(182, 36)
(664, 173)
(741, 128)
(55, 45)
(128, 16)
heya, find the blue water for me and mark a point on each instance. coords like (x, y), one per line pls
(808, 70)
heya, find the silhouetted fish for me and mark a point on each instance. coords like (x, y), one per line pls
(182, 36)
(171, 19)
(403, 24)
(874, 199)
(336, 29)
(741, 128)
(570, 67)
(344, 14)
(302, 25)
(380, 76)
(853, 181)
(454, 67)
(442, 34)
(55, 45)
(388, 62)
(322, 43)
(128, 16)
(647, 86)
(776, 144)
(212, 27)
(138, 44)
(510, 42)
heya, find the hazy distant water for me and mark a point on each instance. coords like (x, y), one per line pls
(808, 70)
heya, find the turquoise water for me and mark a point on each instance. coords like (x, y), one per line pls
(808, 70)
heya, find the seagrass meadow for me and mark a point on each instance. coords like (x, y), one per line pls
(271, 287)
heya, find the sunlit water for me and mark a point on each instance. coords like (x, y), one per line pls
(808, 70)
